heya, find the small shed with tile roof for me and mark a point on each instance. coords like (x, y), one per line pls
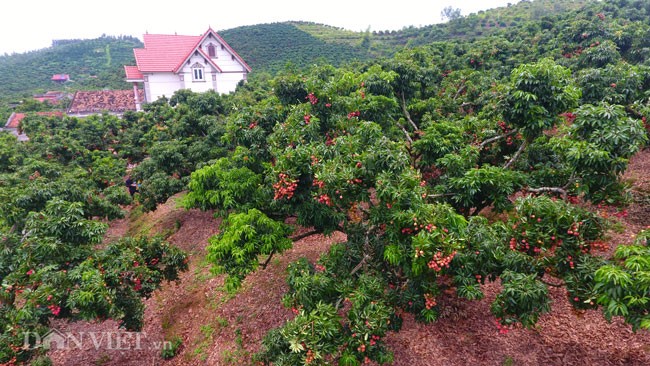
(60, 78)
(115, 102)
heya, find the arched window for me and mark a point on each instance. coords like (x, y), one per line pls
(197, 72)
(211, 51)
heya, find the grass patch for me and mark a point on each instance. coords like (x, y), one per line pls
(42, 361)
(142, 223)
(203, 271)
(233, 357)
(102, 360)
(239, 355)
(508, 361)
(171, 347)
(221, 322)
(177, 200)
(138, 223)
(201, 348)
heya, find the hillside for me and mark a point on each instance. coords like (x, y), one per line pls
(269, 47)
(491, 22)
(91, 64)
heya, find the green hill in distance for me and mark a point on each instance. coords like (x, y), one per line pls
(269, 47)
(98, 63)
(91, 63)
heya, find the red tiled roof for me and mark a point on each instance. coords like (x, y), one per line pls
(132, 73)
(54, 97)
(60, 77)
(16, 118)
(116, 101)
(163, 52)
(43, 98)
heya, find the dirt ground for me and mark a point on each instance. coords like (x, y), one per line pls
(217, 328)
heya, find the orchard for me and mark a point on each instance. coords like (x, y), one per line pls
(445, 166)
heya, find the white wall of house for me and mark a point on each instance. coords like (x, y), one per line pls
(227, 82)
(161, 83)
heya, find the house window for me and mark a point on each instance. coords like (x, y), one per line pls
(211, 51)
(197, 72)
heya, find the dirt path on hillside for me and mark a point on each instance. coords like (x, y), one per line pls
(217, 328)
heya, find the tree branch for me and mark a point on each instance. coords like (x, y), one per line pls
(496, 138)
(266, 262)
(295, 238)
(358, 266)
(517, 154)
(460, 90)
(304, 235)
(407, 114)
(25, 236)
(570, 181)
(478, 208)
(558, 190)
(408, 137)
(550, 284)
(438, 195)
(365, 258)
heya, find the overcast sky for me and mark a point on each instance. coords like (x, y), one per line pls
(33, 24)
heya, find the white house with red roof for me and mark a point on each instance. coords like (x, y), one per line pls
(168, 63)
